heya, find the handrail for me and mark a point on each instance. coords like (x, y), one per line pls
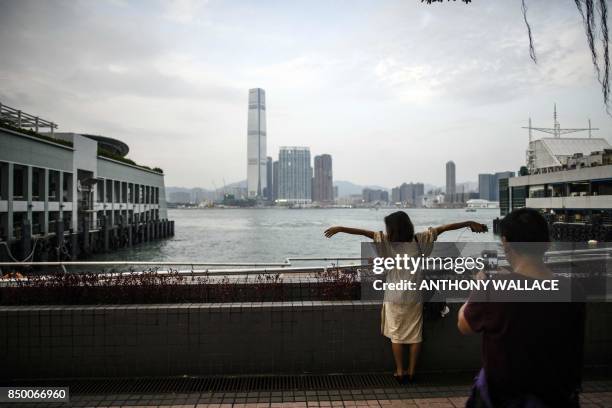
(288, 262)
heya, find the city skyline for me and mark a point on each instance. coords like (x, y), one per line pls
(404, 80)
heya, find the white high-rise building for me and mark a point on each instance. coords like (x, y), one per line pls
(256, 144)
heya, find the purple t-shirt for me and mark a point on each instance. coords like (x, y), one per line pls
(530, 348)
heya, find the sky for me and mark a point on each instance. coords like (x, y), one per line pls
(391, 89)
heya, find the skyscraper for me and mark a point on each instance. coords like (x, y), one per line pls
(323, 182)
(256, 144)
(451, 185)
(268, 191)
(486, 184)
(294, 175)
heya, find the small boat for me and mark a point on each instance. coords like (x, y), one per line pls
(469, 209)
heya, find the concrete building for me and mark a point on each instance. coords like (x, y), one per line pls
(488, 184)
(553, 154)
(481, 203)
(323, 181)
(268, 191)
(396, 196)
(66, 187)
(370, 195)
(294, 175)
(410, 191)
(275, 180)
(256, 144)
(570, 185)
(451, 184)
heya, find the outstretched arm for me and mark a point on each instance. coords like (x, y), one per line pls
(474, 226)
(331, 231)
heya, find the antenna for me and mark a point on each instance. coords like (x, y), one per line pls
(530, 133)
(557, 131)
(556, 124)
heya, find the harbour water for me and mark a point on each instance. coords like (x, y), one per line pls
(272, 234)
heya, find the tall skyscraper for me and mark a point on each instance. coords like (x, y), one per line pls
(451, 184)
(323, 182)
(294, 175)
(256, 144)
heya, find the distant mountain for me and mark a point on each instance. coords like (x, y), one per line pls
(346, 188)
(198, 194)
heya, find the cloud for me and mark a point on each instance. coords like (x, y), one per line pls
(183, 11)
(360, 80)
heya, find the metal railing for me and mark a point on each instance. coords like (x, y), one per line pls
(195, 268)
(286, 267)
(24, 120)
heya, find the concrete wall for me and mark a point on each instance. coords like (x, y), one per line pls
(209, 339)
(111, 169)
(31, 151)
(584, 202)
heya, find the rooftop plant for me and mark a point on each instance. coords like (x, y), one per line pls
(30, 132)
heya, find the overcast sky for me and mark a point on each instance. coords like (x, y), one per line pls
(391, 89)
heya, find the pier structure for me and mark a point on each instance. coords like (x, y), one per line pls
(67, 195)
(569, 179)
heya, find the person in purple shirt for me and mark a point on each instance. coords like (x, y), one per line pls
(532, 353)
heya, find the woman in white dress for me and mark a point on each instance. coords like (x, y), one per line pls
(402, 319)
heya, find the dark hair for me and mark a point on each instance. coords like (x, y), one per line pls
(526, 225)
(399, 227)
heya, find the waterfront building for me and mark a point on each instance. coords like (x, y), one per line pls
(268, 191)
(480, 203)
(408, 194)
(275, 180)
(79, 187)
(396, 195)
(568, 177)
(256, 144)
(410, 191)
(294, 175)
(378, 196)
(488, 184)
(451, 185)
(431, 200)
(323, 181)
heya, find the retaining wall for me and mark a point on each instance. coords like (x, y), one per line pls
(238, 338)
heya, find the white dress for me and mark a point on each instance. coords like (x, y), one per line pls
(402, 320)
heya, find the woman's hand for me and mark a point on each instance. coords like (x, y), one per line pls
(331, 231)
(477, 227)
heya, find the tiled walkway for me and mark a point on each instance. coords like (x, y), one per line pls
(597, 394)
